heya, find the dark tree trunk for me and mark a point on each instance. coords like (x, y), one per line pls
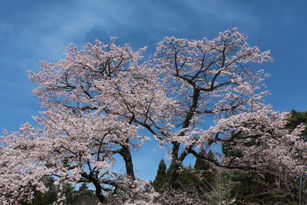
(98, 189)
(174, 174)
(126, 154)
(174, 167)
(98, 192)
(176, 160)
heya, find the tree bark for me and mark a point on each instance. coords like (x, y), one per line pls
(98, 189)
(177, 161)
(174, 174)
(126, 154)
(98, 192)
(174, 167)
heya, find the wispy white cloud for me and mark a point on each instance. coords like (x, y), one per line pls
(222, 10)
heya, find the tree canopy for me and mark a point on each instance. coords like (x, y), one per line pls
(97, 99)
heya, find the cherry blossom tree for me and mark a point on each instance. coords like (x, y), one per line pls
(96, 100)
(87, 118)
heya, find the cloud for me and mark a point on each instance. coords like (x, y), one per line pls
(44, 29)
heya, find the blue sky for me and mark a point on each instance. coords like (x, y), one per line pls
(36, 30)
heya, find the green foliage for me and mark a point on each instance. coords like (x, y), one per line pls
(201, 164)
(85, 196)
(296, 119)
(81, 197)
(269, 189)
(192, 181)
(206, 183)
(186, 179)
(70, 194)
(247, 189)
(160, 180)
(48, 197)
(205, 173)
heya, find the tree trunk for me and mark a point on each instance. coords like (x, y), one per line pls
(174, 174)
(300, 195)
(98, 189)
(126, 154)
(174, 168)
(176, 160)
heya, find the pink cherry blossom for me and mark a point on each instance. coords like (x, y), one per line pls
(96, 100)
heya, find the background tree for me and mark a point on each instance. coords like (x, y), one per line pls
(296, 119)
(85, 196)
(48, 197)
(161, 179)
(205, 172)
(275, 186)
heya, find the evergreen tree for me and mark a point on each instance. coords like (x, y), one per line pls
(161, 178)
(201, 164)
(186, 180)
(296, 119)
(85, 196)
(81, 197)
(70, 194)
(204, 173)
(46, 198)
(193, 182)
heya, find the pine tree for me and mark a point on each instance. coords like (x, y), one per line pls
(204, 174)
(161, 178)
(46, 198)
(201, 164)
(85, 196)
(296, 119)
